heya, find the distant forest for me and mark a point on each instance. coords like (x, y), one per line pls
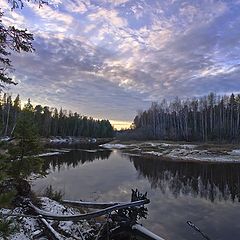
(208, 118)
(51, 121)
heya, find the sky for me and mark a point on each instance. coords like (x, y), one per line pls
(111, 58)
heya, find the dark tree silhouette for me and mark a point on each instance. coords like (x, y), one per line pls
(209, 118)
(50, 121)
(13, 39)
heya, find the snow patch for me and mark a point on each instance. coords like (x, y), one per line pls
(191, 154)
(29, 227)
(90, 150)
(153, 153)
(235, 152)
(4, 139)
(113, 146)
(49, 154)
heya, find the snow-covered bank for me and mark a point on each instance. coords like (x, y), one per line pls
(146, 144)
(29, 228)
(195, 155)
(235, 152)
(53, 152)
(177, 151)
(113, 146)
(76, 140)
(49, 154)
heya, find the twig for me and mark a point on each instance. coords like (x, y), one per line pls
(192, 225)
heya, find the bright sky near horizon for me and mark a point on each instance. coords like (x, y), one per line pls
(110, 58)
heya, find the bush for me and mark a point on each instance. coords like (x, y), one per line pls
(7, 227)
(54, 195)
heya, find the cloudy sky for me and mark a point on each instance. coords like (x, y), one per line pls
(110, 58)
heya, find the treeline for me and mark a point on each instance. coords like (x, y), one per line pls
(51, 121)
(208, 118)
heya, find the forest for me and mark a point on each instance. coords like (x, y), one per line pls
(51, 121)
(208, 118)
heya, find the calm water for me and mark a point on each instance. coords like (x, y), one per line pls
(206, 194)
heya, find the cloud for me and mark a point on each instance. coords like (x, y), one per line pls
(114, 56)
(77, 6)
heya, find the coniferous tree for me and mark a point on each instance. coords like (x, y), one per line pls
(26, 134)
(50, 121)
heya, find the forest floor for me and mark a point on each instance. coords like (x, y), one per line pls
(179, 151)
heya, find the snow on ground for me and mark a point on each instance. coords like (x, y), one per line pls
(29, 227)
(113, 146)
(64, 150)
(176, 151)
(188, 146)
(235, 152)
(196, 155)
(153, 153)
(59, 140)
(49, 154)
(4, 139)
(90, 150)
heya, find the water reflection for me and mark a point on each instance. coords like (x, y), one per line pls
(210, 181)
(178, 191)
(75, 158)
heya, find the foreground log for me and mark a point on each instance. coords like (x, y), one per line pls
(87, 216)
(91, 204)
(145, 233)
(49, 230)
(121, 220)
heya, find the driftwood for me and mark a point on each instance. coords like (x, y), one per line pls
(91, 204)
(121, 222)
(124, 231)
(145, 233)
(49, 230)
(87, 216)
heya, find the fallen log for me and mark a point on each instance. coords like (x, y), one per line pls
(91, 204)
(49, 230)
(145, 233)
(87, 216)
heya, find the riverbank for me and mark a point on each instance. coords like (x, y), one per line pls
(26, 228)
(61, 141)
(44, 218)
(179, 151)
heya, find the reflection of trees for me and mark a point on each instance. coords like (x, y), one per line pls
(74, 158)
(209, 181)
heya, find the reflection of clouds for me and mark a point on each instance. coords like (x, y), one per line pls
(140, 51)
(113, 179)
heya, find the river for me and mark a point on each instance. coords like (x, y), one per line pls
(206, 194)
